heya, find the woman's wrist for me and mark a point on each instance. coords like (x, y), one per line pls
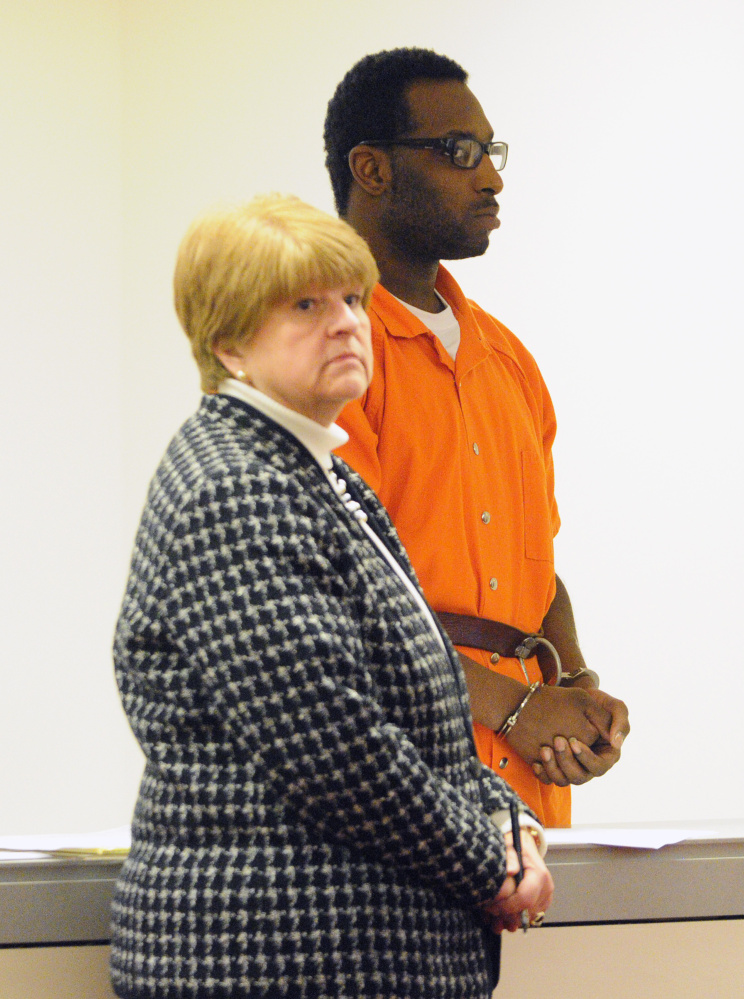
(502, 820)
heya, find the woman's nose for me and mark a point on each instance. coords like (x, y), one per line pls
(345, 318)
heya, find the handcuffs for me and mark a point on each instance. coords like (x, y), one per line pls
(523, 651)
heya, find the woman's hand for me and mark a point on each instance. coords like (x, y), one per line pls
(534, 894)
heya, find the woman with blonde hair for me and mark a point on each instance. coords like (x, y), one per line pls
(313, 820)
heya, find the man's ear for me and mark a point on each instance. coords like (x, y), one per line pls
(371, 169)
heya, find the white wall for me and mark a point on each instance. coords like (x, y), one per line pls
(67, 756)
(616, 262)
(619, 261)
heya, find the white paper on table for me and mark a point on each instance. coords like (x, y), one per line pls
(107, 842)
(642, 837)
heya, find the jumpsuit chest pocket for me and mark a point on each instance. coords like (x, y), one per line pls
(537, 519)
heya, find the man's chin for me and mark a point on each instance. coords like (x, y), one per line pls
(465, 252)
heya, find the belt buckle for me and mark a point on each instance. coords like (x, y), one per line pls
(525, 648)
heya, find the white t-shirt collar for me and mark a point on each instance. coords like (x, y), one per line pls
(443, 325)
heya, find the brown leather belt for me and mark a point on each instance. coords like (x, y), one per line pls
(493, 636)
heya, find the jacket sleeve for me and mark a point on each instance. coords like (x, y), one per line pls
(266, 627)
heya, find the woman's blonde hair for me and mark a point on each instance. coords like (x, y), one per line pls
(234, 265)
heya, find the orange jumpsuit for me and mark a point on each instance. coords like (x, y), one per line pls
(459, 452)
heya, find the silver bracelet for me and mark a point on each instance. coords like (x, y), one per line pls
(570, 677)
(511, 721)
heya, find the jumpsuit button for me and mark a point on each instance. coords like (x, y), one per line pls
(476, 448)
(493, 582)
(495, 657)
(502, 763)
(486, 517)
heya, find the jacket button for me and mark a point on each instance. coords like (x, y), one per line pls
(486, 517)
(502, 762)
(476, 448)
(495, 657)
(493, 583)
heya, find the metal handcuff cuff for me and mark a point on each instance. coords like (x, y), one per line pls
(522, 652)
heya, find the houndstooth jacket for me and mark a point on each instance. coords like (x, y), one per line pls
(312, 819)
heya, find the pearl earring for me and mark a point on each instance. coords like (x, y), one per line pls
(240, 375)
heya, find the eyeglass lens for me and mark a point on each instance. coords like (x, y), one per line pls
(467, 153)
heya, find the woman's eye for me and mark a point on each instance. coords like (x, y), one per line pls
(305, 304)
(353, 299)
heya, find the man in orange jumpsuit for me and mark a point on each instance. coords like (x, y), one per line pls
(456, 429)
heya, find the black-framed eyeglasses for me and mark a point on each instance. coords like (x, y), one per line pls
(465, 153)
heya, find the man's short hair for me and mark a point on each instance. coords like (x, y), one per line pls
(235, 264)
(370, 103)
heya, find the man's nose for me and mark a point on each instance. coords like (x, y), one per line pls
(488, 177)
